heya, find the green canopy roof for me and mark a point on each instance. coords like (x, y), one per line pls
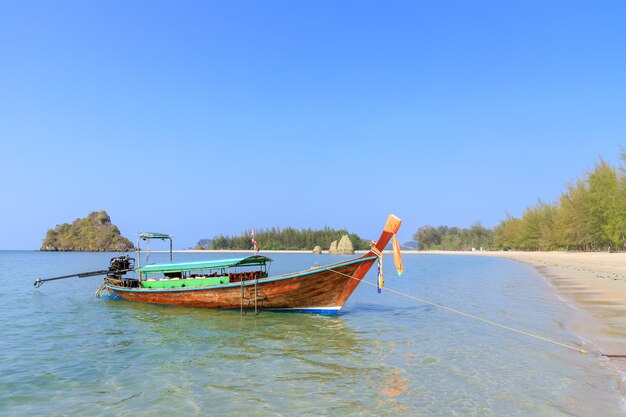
(148, 235)
(199, 265)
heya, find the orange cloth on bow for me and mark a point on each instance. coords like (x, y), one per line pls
(397, 256)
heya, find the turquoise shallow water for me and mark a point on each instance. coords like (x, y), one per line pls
(64, 352)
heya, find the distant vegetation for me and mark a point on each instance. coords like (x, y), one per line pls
(94, 233)
(454, 238)
(284, 239)
(590, 215)
(410, 245)
(204, 244)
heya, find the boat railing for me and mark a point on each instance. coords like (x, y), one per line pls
(232, 276)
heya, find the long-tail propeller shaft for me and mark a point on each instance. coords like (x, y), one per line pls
(119, 265)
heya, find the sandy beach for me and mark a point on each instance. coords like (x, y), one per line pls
(594, 282)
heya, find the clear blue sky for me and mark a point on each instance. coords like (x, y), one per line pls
(200, 118)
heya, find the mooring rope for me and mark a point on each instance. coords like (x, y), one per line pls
(471, 316)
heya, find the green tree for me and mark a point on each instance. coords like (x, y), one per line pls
(506, 234)
(603, 195)
(453, 238)
(590, 215)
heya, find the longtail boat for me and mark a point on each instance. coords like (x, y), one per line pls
(239, 283)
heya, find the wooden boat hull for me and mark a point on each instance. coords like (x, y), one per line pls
(323, 289)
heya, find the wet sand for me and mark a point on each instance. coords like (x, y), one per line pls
(595, 282)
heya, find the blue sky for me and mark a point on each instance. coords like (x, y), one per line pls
(200, 118)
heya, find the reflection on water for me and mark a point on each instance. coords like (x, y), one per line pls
(65, 352)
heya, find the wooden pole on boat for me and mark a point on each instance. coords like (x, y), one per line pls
(241, 301)
(39, 281)
(256, 282)
(139, 256)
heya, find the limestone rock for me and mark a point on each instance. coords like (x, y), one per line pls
(94, 233)
(345, 246)
(333, 248)
(317, 250)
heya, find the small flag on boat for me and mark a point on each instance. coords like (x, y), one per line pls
(379, 255)
(256, 245)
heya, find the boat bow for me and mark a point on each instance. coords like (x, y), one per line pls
(377, 247)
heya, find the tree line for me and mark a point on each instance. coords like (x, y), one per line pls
(454, 238)
(590, 215)
(284, 239)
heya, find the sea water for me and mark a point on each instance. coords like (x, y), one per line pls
(65, 352)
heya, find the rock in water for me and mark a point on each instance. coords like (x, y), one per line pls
(333, 248)
(317, 250)
(345, 246)
(94, 233)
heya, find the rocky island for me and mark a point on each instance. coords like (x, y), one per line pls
(344, 247)
(94, 233)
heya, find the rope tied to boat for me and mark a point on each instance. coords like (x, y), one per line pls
(471, 316)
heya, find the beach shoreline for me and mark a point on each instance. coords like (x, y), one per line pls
(592, 282)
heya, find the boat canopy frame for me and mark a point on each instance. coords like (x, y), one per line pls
(147, 236)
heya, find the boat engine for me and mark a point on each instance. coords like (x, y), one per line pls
(120, 265)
